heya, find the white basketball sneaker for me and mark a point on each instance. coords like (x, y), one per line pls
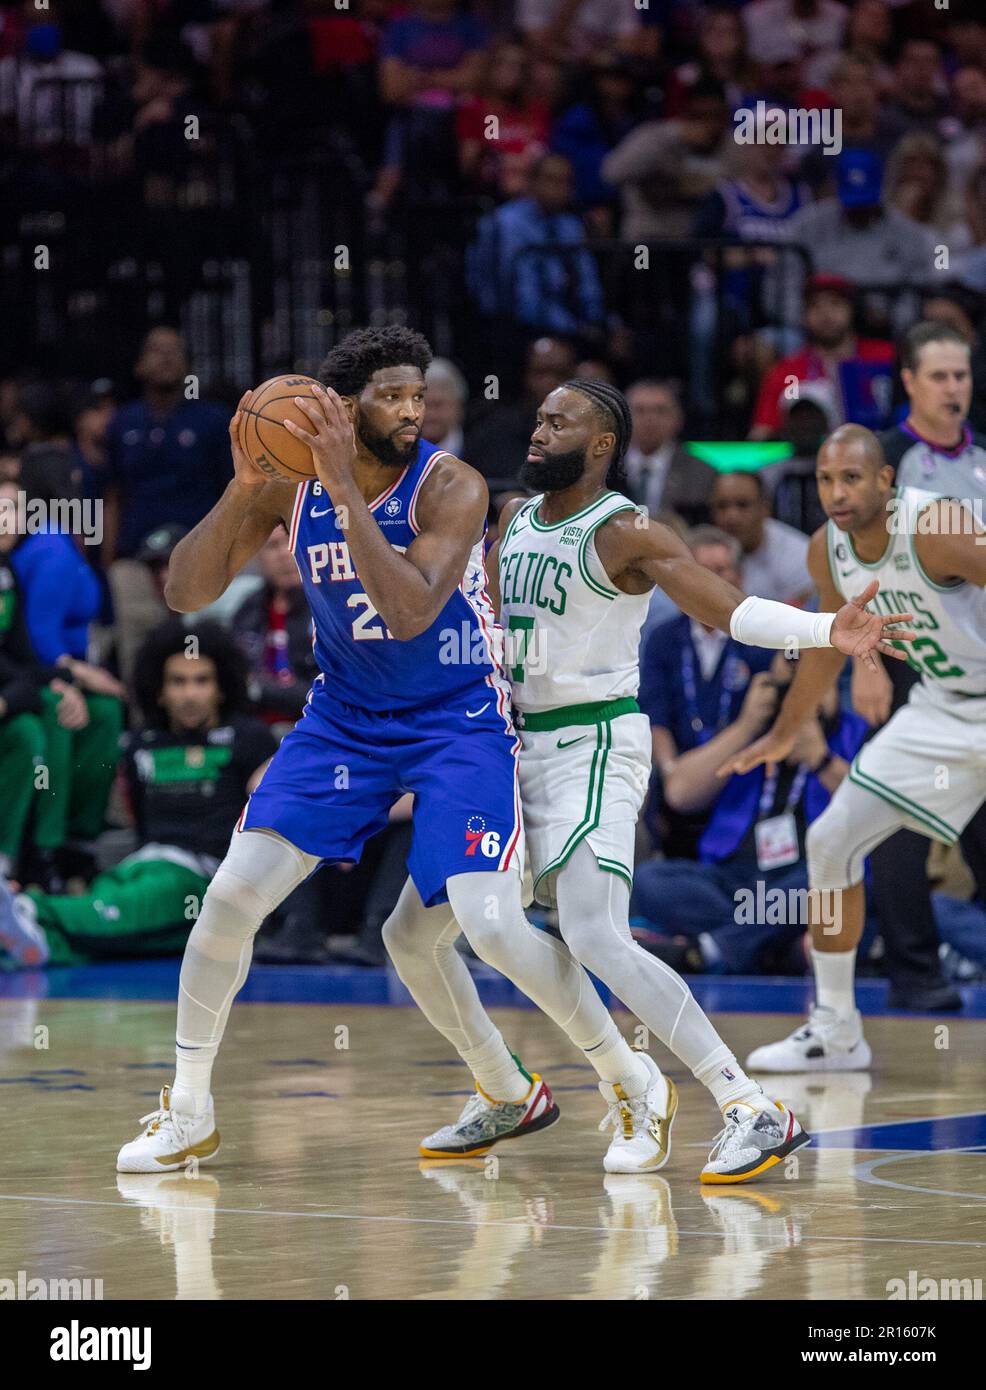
(642, 1142)
(171, 1140)
(827, 1042)
(752, 1142)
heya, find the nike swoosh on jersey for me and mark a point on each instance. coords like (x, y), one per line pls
(475, 713)
(570, 741)
(314, 512)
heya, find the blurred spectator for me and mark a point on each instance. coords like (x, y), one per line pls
(920, 93)
(811, 27)
(544, 289)
(91, 423)
(168, 462)
(446, 394)
(792, 483)
(850, 376)
(167, 454)
(22, 681)
(870, 34)
(81, 705)
(754, 844)
(502, 131)
(757, 198)
(693, 680)
(274, 630)
(574, 30)
(855, 234)
(665, 168)
(497, 437)
(916, 183)
(586, 132)
(189, 773)
(41, 428)
(659, 470)
(51, 91)
(429, 59)
(855, 91)
(965, 152)
(774, 561)
(721, 56)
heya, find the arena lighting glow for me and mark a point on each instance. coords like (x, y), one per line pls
(740, 455)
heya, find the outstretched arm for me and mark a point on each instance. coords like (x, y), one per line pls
(408, 590)
(636, 547)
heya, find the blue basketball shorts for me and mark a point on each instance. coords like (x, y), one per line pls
(335, 776)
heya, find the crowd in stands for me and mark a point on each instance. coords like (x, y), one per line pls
(574, 131)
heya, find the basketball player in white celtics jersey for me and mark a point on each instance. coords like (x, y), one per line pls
(576, 565)
(929, 555)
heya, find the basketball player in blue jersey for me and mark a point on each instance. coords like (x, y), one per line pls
(410, 697)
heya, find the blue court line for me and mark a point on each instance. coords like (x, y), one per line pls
(918, 1135)
(351, 984)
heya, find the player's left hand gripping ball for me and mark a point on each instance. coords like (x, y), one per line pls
(333, 436)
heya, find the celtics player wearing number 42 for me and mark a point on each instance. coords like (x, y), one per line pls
(924, 770)
(576, 565)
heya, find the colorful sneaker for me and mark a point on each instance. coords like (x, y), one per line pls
(20, 935)
(642, 1142)
(171, 1140)
(752, 1141)
(484, 1122)
(827, 1042)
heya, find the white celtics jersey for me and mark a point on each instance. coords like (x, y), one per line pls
(950, 620)
(571, 637)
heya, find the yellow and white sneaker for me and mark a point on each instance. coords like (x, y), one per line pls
(642, 1142)
(753, 1141)
(171, 1140)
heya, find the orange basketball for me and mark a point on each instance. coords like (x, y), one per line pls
(263, 438)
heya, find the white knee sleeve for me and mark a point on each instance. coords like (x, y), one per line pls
(258, 873)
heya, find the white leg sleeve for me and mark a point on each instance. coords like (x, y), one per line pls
(593, 914)
(489, 910)
(258, 873)
(852, 825)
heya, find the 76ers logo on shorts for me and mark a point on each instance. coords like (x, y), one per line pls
(488, 841)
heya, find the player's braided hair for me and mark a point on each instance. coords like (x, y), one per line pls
(351, 363)
(614, 414)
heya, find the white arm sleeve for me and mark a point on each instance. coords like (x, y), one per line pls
(761, 622)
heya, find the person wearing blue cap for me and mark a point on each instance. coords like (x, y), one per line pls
(855, 234)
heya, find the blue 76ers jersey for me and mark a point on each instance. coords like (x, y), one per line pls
(362, 663)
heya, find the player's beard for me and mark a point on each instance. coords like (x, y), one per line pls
(383, 447)
(553, 472)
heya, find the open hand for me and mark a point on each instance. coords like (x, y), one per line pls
(858, 633)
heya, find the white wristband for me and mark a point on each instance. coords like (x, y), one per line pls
(761, 622)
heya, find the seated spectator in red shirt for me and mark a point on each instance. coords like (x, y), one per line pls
(504, 129)
(273, 629)
(856, 373)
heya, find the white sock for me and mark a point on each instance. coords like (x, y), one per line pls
(834, 975)
(728, 1082)
(616, 1062)
(495, 1070)
(193, 1077)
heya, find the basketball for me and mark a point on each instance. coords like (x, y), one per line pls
(275, 450)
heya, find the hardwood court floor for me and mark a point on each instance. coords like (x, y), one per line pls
(318, 1191)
